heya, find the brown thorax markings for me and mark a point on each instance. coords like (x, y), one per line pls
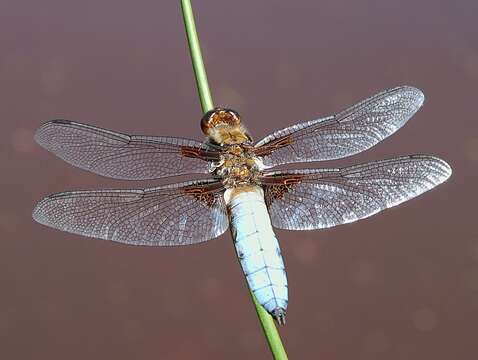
(237, 166)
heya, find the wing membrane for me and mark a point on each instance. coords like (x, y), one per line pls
(322, 198)
(178, 214)
(353, 130)
(121, 156)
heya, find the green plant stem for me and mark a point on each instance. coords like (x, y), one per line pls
(196, 56)
(268, 326)
(267, 322)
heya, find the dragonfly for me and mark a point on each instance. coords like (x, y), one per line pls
(241, 190)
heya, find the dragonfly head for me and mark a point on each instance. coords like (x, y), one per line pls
(219, 116)
(224, 127)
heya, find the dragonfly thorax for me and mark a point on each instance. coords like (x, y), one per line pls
(237, 167)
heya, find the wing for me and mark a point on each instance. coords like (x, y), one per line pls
(178, 214)
(123, 156)
(322, 198)
(349, 132)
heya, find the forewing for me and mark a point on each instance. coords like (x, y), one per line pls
(178, 214)
(349, 132)
(123, 156)
(322, 198)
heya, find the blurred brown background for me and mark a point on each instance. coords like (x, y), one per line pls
(400, 285)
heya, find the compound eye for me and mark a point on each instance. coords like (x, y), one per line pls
(206, 121)
(219, 116)
(233, 117)
(234, 113)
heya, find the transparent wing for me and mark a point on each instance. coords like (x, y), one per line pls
(349, 132)
(178, 214)
(123, 156)
(322, 198)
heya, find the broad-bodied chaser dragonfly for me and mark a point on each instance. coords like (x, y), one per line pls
(241, 192)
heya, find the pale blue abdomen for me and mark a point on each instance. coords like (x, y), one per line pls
(258, 249)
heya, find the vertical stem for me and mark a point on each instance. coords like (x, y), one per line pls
(196, 57)
(270, 331)
(267, 323)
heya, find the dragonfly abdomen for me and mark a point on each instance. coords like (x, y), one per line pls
(258, 249)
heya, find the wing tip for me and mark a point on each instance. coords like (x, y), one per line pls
(445, 169)
(41, 135)
(415, 93)
(442, 170)
(419, 95)
(38, 214)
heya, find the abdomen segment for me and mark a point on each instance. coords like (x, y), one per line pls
(258, 249)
